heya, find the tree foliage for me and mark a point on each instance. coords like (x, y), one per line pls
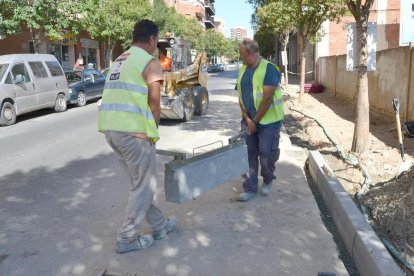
(266, 41)
(305, 16)
(232, 49)
(42, 18)
(215, 43)
(110, 21)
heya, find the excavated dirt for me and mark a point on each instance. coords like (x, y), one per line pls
(390, 200)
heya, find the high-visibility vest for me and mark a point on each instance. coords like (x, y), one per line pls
(275, 112)
(124, 104)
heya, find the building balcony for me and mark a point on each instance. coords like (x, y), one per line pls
(209, 22)
(209, 6)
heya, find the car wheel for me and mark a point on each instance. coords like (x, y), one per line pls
(8, 114)
(81, 99)
(201, 101)
(61, 103)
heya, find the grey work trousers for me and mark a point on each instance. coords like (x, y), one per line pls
(137, 158)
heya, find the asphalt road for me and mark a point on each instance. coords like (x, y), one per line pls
(60, 202)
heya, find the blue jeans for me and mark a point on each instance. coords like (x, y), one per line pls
(263, 146)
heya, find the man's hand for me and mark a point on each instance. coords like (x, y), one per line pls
(251, 126)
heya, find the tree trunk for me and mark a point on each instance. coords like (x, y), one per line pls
(360, 142)
(285, 43)
(109, 51)
(303, 69)
(35, 40)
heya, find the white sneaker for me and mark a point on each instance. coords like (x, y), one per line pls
(266, 188)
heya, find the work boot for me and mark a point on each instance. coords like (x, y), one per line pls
(266, 187)
(161, 233)
(139, 242)
(246, 196)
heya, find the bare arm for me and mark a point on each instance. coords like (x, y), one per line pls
(154, 78)
(154, 96)
(251, 125)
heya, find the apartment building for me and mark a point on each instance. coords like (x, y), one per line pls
(238, 33)
(385, 14)
(220, 25)
(201, 10)
(73, 49)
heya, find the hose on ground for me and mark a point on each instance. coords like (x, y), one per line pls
(353, 161)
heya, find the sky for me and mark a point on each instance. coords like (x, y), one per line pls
(236, 13)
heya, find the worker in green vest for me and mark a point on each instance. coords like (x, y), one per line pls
(261, 105)
(129, 116)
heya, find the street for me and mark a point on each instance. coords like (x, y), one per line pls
(62, 198)
(61, 191)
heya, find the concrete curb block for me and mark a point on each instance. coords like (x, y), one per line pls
(367, 251)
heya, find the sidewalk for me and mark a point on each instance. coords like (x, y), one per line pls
(282, 234)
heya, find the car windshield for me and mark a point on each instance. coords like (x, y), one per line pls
(3, 68)
(73, 76)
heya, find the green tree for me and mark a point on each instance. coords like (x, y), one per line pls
(275, 19)
(112, 21)
(266, 41)
(232, 49)
(215, 44)
(307, 17)
(169, 20)
(42, 18)
(361, 12)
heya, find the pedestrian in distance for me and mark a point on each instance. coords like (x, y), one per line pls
(261, 105)
(129, 116)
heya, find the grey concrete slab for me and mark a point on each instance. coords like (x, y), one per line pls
(191, 177)
(369, 254)
(372, 257)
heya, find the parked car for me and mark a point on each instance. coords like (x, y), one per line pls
(105, 71)
(232, 66)
(221, 67)
(212, 68)
(30, 82)
(84, 85)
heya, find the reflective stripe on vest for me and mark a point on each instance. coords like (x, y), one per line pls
(126, 86)
(124, 104)
(275, 111)
(126, 108)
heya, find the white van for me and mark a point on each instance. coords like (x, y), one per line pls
(30, 82)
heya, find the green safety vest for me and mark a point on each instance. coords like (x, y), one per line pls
(275, 112)
(124, 104)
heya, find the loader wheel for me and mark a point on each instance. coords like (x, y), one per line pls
(188, 105)
(201, 101)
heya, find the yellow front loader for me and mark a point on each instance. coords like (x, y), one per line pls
(184, 92)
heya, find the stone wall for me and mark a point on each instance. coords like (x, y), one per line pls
(393, 78)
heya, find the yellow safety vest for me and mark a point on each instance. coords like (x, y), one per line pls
(275, 112)
(124, 104)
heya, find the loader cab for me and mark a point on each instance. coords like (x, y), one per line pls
(178, 50)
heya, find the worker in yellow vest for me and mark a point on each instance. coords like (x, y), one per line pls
(261, 105)
(129, 115)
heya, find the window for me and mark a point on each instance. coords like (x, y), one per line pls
(20, 69)
(3, 68)
(96, 74)
(87, 75)
(38, 69)
(8, 79)
(73, 76)
(54, 68)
